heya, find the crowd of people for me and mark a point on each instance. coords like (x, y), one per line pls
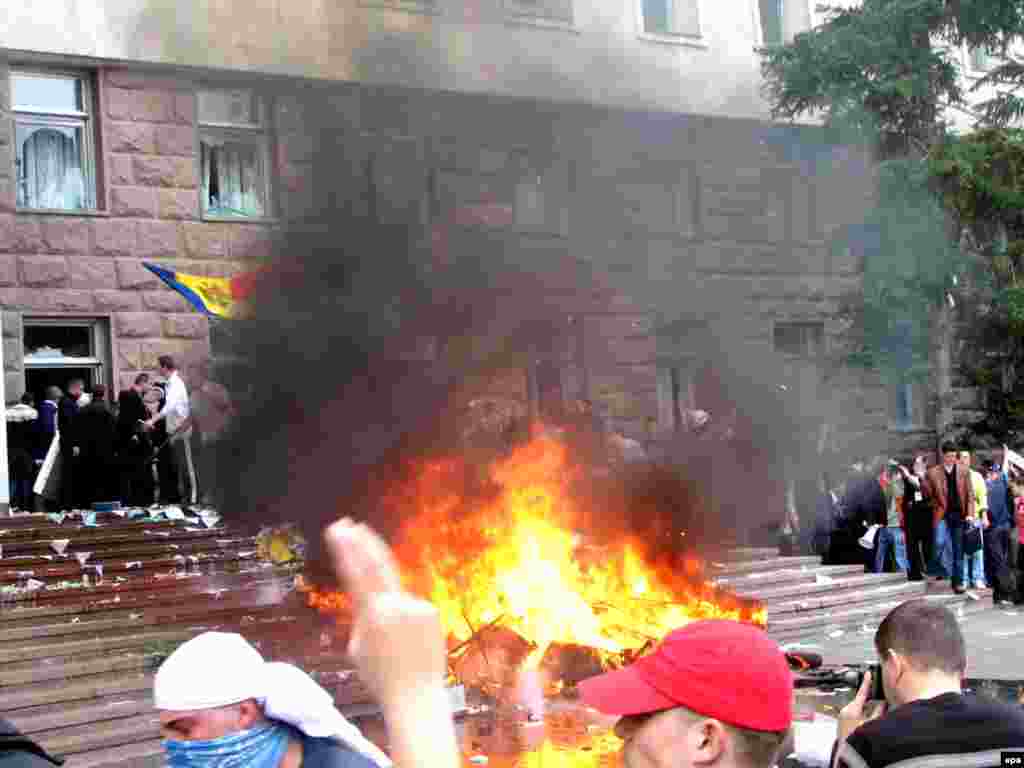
(955, 521)
(76, 448)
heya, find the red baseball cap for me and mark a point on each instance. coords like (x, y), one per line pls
(725, 670)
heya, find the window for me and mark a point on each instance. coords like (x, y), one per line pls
(234, 152)
(547, 10)
(771, 22)
(57, 351)
(982, 59)
(799, 339)
(54, 150)
(668, 18)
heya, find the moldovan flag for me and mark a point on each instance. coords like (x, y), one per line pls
(216, 296)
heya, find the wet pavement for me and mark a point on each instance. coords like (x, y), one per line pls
(993, 637)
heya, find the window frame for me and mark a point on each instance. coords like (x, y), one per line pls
(260, 133)
(690, 39)
(525, 12)
(102, 344)
(87, 120)
(805, 355)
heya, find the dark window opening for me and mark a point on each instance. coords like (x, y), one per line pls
(801, 339)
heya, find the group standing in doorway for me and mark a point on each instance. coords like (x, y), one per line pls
(76, 448)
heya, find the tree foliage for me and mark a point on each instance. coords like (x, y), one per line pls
(888, 73)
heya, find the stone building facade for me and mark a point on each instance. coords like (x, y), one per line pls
(683, 215)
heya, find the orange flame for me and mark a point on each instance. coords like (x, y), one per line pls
(516, 560)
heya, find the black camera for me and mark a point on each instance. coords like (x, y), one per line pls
(877, 692)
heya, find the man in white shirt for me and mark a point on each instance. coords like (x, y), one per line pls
(179, 430)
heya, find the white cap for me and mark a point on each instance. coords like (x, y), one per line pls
(212, 670)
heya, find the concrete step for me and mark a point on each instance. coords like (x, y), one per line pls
(121, 597)
(775, 595)
(719, 568)
(143, 754)
(49, 717)
(826, 621)
(746, 554)
(101, 735)
(758, 580)
(902, 590)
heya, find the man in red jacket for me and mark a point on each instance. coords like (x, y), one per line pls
(948, 488)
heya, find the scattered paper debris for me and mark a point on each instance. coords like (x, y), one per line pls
(135, 616)
(34, 584)
(75, 619)
(209, 519)
(174, 513)
(133, 564)
(89, 519)
(59, 545)
(836, 633)
(820, 578)
(56, 517)
(83, 557)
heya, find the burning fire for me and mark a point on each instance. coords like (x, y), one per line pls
(513, 559)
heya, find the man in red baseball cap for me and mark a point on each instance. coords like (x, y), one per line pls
(714, 693)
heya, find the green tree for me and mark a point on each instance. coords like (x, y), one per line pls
(887, 74)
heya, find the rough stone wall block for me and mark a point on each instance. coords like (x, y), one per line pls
(137, 325)
(44, 271)
(115, 237)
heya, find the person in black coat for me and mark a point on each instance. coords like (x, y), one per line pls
(133, 446)
(70, 444)
(22, 434)
(97, 433)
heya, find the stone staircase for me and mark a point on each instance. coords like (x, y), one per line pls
(807, 600)
(77, 655)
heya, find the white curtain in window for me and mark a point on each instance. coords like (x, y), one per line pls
(233, 182)
(51, 171)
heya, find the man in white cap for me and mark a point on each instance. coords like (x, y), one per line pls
(223, 706)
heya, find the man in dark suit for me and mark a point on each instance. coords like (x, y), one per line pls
(948, 488)
(96, 433)
(133, 446)
(70, 445)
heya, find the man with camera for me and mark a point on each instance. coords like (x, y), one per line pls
(919, 711)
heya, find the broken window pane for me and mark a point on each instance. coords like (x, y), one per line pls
(53, 341)
(234, 179)
(49, 162)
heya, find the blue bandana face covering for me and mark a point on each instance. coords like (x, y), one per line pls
(262, 747)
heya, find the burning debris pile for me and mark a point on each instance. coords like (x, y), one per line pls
(519, 586)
